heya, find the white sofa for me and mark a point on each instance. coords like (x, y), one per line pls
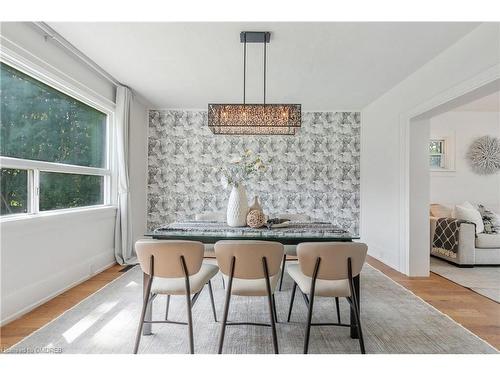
(480, 249)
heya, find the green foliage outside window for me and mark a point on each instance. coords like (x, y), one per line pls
(13, 191)
(40, 123)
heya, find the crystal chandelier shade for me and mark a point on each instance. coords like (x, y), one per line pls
(258, 119)
(254, 119)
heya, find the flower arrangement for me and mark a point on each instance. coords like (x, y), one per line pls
(241, 169)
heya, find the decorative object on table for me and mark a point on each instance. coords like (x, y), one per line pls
(257, 119)
(255, 205)
(237, 207)
(277, 223)
(256, 219)
(484, 155)
(233, 175)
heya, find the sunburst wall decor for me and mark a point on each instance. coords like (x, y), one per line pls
(484, 155)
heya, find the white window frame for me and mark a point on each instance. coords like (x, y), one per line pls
(442, 154)
(34, 167)
(448, 153)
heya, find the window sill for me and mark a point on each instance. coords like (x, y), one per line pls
(442, 170)
(106, 210)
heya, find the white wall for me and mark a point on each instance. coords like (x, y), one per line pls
(462, 184)
(381, 138)
(42, 256)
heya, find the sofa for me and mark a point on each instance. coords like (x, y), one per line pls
(473, 248)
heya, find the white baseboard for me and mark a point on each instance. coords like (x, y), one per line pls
(43, 300)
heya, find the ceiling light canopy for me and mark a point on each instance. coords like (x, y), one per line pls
(254, 119)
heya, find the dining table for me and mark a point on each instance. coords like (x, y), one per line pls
(291, 233)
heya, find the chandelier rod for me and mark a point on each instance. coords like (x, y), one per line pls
(244, 65)
(265, 69)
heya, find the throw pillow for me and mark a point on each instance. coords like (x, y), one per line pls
(466, 204)
(438, 210)
(472, 215)
(491, 220)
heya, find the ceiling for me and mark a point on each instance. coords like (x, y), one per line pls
(323, 66)
(489, 103)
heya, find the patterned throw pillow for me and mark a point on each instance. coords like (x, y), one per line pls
(490, 219)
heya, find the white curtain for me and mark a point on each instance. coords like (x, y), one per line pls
(124, 247)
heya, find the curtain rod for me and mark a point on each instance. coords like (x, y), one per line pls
(50, 33)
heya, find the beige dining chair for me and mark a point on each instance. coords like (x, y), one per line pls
(174, 268)
(290, 250)
(327, 269)
(252, 269)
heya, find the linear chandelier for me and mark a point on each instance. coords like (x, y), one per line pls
(254, 119)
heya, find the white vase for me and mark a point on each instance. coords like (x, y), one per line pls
(237, 207)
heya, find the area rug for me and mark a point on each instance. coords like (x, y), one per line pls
(394, 321)
(482, 280)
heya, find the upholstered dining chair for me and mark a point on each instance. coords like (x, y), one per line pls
(290, 250)
(327, 269)
(174, 268)
(252, 269)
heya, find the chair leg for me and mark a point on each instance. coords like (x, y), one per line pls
(212, 299)
(166, 309)
(226, 307)
(145, 304)
(291, 301)
(270, 302)
(355, 305)
(282, 271)
(189, 304)
(190, 323)
(358, 323)
(311, 303)
(308, 324)
(275, 312)
(223, 282)
(338, 309)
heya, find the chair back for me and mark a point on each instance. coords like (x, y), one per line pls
(248, 258)
(334, 255)
(167, 257)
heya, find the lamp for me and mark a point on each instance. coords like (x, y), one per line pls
(254, 119)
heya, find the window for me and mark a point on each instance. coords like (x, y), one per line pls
(14, 191)
(437, 157)
(53, 148)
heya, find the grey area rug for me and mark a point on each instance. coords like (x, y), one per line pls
(482, 280)
(394, 321)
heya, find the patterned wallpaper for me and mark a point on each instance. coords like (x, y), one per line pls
(314, 172)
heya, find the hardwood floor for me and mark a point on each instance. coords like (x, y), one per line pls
(15, 331)
(477, 313)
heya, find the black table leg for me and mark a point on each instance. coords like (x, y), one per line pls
(354, 329)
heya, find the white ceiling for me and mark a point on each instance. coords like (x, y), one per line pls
(323, 66)
(489, 103)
